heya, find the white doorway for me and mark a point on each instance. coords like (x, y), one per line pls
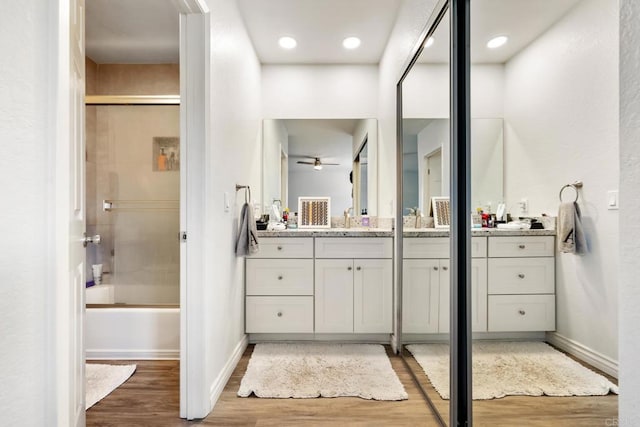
(432, 179)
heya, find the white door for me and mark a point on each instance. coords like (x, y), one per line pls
(372, 296)
(420, 295)
(334, 296)
(433, 177)
(74, 319)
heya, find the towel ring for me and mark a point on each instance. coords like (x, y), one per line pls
(575, 186)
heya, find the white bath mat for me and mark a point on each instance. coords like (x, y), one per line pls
(513, 368)
(103, 379)
(283, 370)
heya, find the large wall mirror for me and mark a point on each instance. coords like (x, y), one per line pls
(506, 130)
(321, 157)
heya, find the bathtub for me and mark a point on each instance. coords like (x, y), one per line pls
(121, 332)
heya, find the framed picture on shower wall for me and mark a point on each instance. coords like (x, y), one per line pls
(166, 154)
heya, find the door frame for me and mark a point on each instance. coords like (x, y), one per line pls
(194, 86)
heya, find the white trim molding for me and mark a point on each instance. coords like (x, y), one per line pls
(218, 385)
(129, 354)
(590, 356)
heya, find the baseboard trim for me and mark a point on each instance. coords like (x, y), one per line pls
(584, 353)
(93, 354)
(221, 381)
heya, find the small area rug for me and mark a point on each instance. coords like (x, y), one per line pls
(283, 370)
(103, 379)
(513, 369)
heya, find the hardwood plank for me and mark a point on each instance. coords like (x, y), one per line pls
(151, 398)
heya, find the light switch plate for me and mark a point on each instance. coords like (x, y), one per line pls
(612, 200)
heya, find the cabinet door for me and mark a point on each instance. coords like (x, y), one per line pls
(334, 296)
(372, 295)
(478, 295)
(420, 295)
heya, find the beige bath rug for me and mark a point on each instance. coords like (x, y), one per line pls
(512, 369)
(103, 379)
(321, 370)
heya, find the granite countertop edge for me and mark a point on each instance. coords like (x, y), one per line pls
(427, 232)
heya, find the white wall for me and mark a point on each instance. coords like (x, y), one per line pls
(26, 140)
(412, 16)
(319, 91)
(561, 125)
(435, 135)
(233, 156)
(629, 295)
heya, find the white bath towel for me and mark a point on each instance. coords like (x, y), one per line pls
(571, 238)
(247, 242)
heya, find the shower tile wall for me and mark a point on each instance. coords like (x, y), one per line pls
(140, 249)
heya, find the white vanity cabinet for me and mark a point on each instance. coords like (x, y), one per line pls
(353, 285)
(521, 283)
(279, 287)
(426, 285)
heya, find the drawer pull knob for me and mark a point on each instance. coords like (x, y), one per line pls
(521, 312)
(435, 268)
(358, 268)
(349, 268)
(521, 246)
(521, 276)
(445, 268)
(279, 248)
(279, 314)
(279, 277)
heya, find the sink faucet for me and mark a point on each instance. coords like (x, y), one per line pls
(347, 218)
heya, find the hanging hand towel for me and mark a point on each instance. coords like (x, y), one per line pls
(571, 238)
(247, 242)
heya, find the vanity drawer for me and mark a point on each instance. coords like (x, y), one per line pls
(521, 246)
(279, 314)
(438, 247)
(521, 275)
(511, 313)
(279, 277)
(354, 247)
(285, 247)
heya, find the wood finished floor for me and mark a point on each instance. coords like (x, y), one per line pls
(151, 398)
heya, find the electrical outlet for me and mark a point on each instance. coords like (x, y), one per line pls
(523, 207)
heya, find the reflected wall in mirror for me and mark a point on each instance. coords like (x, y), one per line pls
(320, 157)
(426, 162)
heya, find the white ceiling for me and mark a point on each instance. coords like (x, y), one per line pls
(521, 20)
(319, 26)
(329, 139)
(146, 31)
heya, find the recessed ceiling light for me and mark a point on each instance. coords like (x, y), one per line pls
(429, 42)
(351, 42)
(497, 42)
(287, 42)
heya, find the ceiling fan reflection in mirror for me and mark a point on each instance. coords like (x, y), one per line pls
(317, 163)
